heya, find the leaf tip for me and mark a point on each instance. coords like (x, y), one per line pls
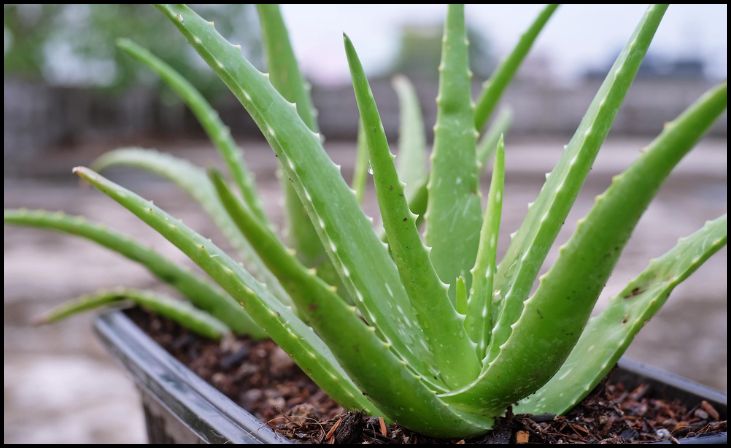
(123, 42)
(83, 172)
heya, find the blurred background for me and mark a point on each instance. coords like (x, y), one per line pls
(70, 95)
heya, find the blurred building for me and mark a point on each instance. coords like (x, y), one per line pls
(658, 67)
(420, 50)
(73, 113)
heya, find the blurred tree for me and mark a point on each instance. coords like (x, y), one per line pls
(74, 45)
(420, 49)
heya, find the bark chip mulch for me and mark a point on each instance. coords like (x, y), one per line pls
(261, 378)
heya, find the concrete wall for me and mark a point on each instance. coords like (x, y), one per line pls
(537, 109)
(38, 118)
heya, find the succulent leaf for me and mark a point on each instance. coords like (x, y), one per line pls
(461, 296)
(200, 292)
(362, 262)
(443, 327)
(486, 147)
(284, 70)
(278, 320)
(193, 181)
(567, 293)
(528, 249)
(183, 313)
(454, 214)
(608, 334)
(285, 76)
(512, 369)
(479, 308)
(419, 202)
(79, 305)
(494, 87)
(360, 171)
(218, 132)
(412, 138)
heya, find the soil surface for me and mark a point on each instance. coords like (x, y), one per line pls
(261, 378)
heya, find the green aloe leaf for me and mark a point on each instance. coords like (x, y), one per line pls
(405, 397)
(218, 132)
(419, 197)
(418, 204)
(363, 264)
(534, 238)
(460, 291)
(185, 315)
(201, 293)
(443, 327)
(360, 171)
(567, 293)
(494, 87)
(608, 335)
(193, 181)
(479, 309)
(412, 138)
(284, 71)
(285, 76)
(454, 214)
(523, 335)
(278, 320)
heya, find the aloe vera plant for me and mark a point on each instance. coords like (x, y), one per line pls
(431, 331)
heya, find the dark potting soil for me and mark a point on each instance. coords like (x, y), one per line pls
(261, 378)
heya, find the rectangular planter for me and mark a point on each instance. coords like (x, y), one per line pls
(180, 407)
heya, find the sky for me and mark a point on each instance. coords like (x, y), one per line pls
(577, 37)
